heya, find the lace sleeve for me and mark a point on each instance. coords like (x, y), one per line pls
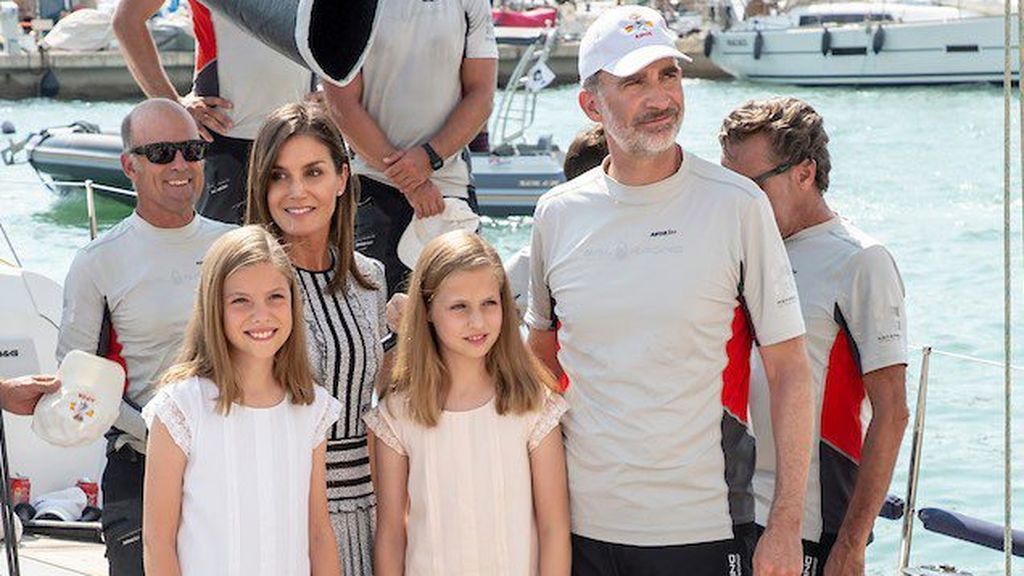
(164, 407)
(378, 422)
(329, 412)
(554, 407)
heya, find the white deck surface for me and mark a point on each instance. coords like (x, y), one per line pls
(43, 556)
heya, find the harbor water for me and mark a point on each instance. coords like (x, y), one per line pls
(920, 169)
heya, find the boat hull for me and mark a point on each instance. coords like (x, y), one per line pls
(932, 52)
(506, 185)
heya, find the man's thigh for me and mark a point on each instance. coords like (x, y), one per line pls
(225, 175)
(122, 512)
(720, 558)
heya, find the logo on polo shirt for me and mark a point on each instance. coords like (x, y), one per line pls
(638, 27)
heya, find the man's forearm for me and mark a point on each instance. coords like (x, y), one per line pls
(792, 417)
(464, 123)
(139, 51)
(361, 131)
(879, 453)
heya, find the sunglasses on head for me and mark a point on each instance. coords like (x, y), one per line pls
(164, 152)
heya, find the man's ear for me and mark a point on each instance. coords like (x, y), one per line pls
(128, 165)
(806, 173)
(588, 103)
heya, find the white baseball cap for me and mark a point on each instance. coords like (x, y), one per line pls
(86, 404)
(457, 215)
(624, 39)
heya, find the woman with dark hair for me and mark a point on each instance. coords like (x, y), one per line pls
(301, 189)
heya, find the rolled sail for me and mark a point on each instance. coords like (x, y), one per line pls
(330, 37)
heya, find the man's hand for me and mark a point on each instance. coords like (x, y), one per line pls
(408, 169)
(845, 559)
(425, 200)
(208, 113)
(779, 553)
(395, 309)
(20, 395)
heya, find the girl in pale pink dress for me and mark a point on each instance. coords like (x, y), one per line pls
(469, 459)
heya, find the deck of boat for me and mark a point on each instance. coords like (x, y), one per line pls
(45, 556)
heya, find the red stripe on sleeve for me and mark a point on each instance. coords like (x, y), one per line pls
(114, 353)
(736, 375)
(206, 40)
(841, 425)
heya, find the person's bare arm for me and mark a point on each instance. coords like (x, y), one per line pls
(143, 60)
(345, 105)
(410, 168)
(323, 548)
(20, 395)
(779, 551)
(886, 390)
(392, 503)
(551, 504)
(544, 344)
(364, 135)
(161, 502)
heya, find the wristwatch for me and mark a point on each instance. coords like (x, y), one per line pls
(436, 162)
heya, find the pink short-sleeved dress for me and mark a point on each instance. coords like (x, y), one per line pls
(470, 488)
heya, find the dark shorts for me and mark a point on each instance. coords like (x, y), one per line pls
(815, 553)
(223, 196)
(719, 558)
(122, 511)
(382, 217)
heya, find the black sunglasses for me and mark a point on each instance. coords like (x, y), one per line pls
(773, 172)
(164, 152)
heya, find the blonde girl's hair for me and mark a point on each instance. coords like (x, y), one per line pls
(307, 119)
(205, 352)
(419, 374)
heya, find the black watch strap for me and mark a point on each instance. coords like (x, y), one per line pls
(436, 162)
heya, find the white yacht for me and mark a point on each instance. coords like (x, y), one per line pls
(862, 43)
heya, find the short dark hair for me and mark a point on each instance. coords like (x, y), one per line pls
(587, 151)
(126, 132)
(794, 129)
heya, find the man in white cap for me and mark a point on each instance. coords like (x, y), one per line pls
(660, 271)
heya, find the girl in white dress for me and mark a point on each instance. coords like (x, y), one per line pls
(235, 476)
(469, 459)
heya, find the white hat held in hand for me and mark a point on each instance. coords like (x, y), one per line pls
(85, 406)
(457, 215)
(624, 39)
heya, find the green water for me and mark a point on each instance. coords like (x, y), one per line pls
(918, 168)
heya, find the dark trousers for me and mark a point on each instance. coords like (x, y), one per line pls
(382, 217)
(122, 511)
(730, 557)
(815, 553)
(225, 176)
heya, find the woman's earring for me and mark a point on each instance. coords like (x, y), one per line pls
(341, 192)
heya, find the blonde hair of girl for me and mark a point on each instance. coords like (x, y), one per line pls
(419, 372)
(206, 351)
(307, 119)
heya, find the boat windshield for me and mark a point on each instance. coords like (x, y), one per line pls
(848, 18)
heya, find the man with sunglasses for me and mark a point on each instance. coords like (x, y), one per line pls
(660, 271)
(852, 301)
(129, 294)
(238, 82)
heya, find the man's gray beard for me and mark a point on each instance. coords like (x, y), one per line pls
(638, 142)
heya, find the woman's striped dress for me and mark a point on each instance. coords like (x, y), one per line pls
(344, 332)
